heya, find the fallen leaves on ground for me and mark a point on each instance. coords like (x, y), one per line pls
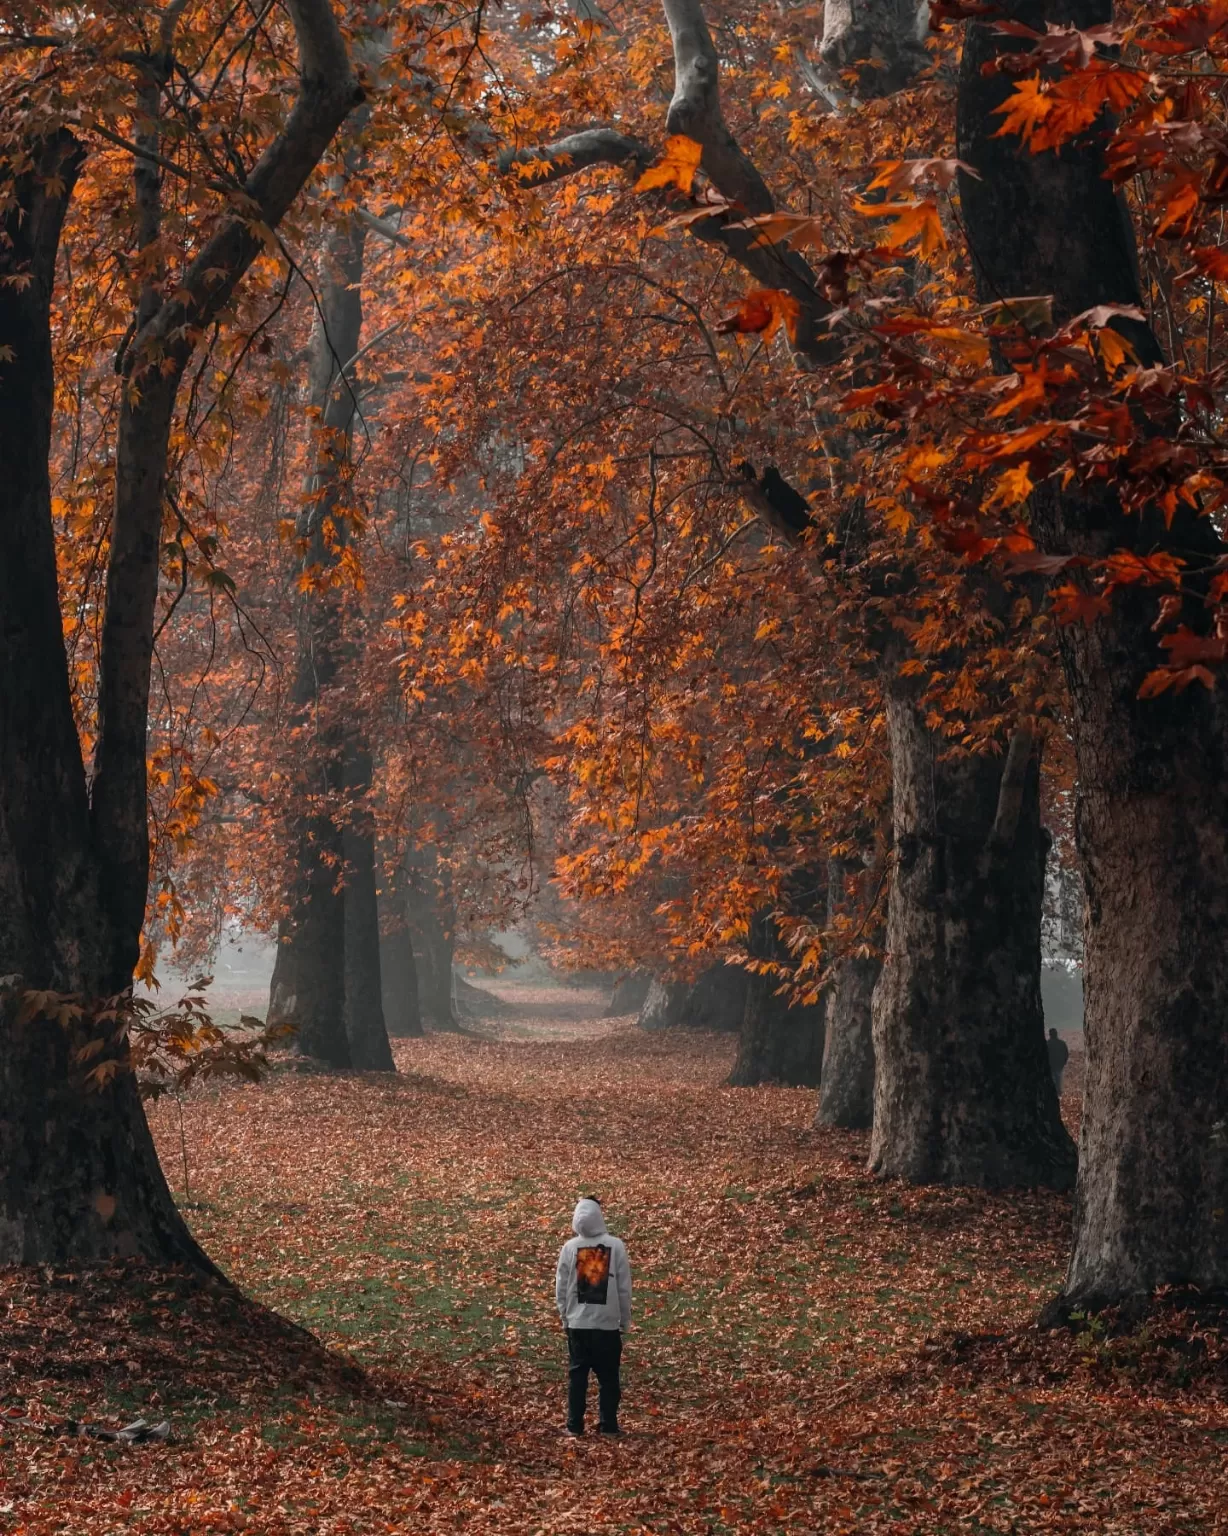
(813, 1351)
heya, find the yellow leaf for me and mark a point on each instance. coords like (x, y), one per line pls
(1011, 487)
(1115, 350)
(912, 221)
(677, 166)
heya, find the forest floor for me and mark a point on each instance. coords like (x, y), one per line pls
(813, 1351)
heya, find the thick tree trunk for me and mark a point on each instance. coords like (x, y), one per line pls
(79, 1176)
(846, 1092)
(662, 1005)
(778, 1044)
(717, 1000)
(1152, 807)
(319, 947)
(962, 1090)
(629, 994)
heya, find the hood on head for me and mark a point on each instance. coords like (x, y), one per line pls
(587, 1220)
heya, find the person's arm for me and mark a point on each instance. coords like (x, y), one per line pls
(562, 1281)
(622, 1279)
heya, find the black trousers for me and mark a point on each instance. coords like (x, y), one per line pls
(598, 1350)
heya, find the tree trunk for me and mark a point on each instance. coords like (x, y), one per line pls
(629, 994)
(1152, 800)
(882, 39)
(283, 1005)
(662, 1005)
(338, 994)
(319, 947)
(846, 1092)
(79, 1176)
(717, 1000)
(963, 1093)
(432, 923)
(399, 980)
(778, 1044)
(364, 1008)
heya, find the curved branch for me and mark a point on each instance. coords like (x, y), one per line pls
(696, 109)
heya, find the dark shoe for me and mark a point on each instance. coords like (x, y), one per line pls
(578, 1434)
(603, 1429)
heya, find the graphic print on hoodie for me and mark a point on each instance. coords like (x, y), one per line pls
(592, 1275)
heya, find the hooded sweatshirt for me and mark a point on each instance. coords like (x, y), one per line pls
(592, 1285)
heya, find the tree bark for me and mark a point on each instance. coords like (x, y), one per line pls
(399, 980)
(1152, 801)
(79, 1175)
(963, 1093)
(283, 1004)
(777, 1044)
(883, 40)
(717, 1000)
(364, 1008)
(629, 994)
(432, 923)
(337, 995)
(846, 1092)
(662, 1005)
(847, 1088)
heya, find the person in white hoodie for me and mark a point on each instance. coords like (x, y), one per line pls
(592, 1289)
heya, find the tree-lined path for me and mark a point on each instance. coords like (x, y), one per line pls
(813, 1350)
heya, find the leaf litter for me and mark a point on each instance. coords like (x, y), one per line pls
(813, 1350)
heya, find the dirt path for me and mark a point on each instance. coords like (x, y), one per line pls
(812, 1351)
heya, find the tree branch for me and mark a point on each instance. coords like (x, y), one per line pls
(1010, 791)
(578, 151)
(383, 229)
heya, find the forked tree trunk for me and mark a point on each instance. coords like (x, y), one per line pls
(846, 1092)
(777, 1044)
(1152, 795)
(79, 1176)
(963, 1093)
